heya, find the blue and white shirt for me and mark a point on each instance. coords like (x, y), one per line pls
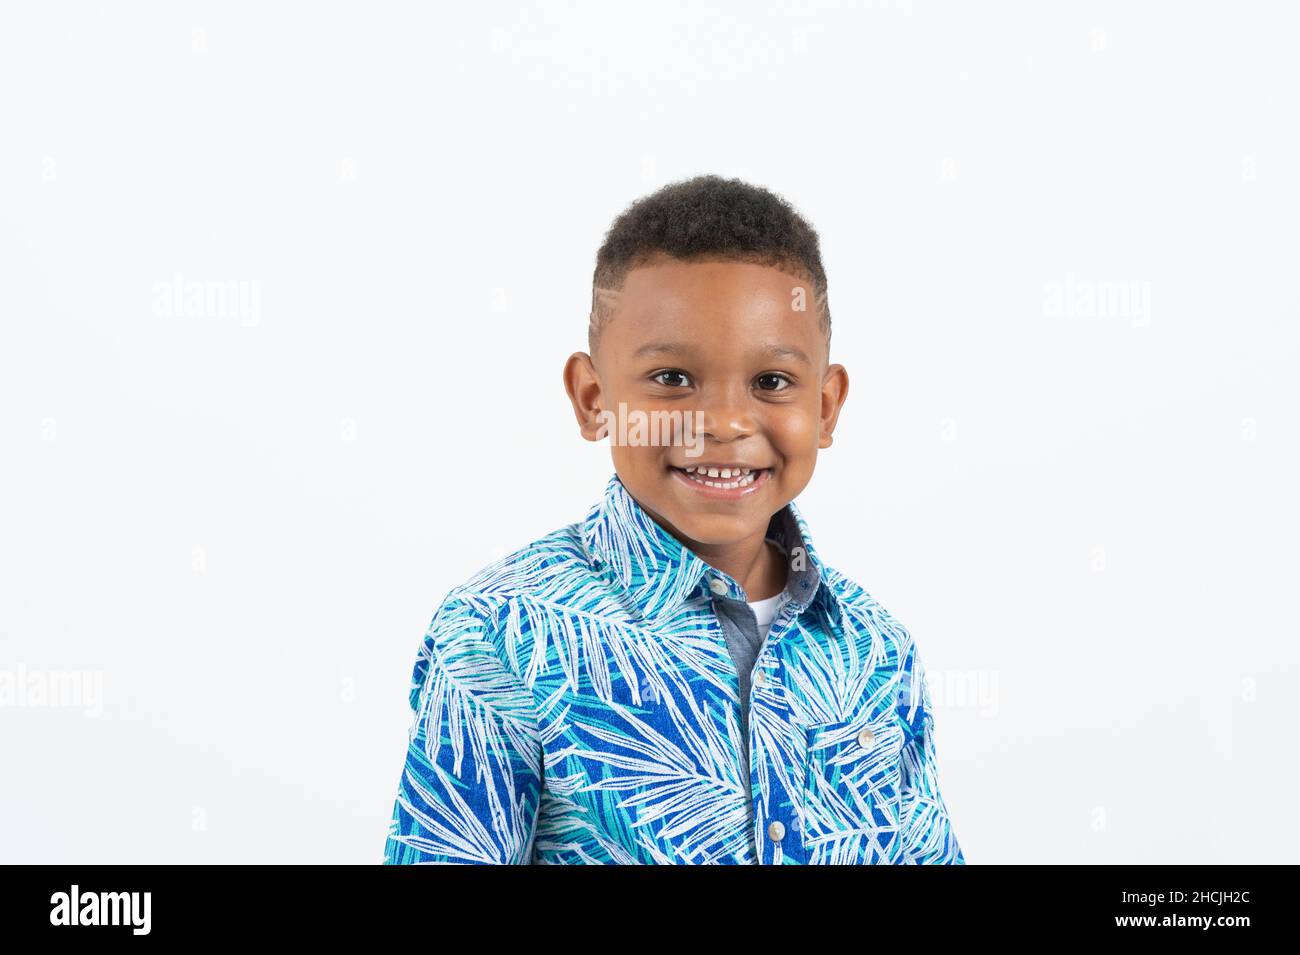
(576, 703)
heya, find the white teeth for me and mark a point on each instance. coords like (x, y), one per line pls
(733, 477)
(719, 472)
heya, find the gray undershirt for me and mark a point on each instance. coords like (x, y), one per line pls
(745, 636)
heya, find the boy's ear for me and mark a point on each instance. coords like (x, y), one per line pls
(583, 387)
(835, 388)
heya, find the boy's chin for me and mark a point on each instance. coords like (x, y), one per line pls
(713, 530)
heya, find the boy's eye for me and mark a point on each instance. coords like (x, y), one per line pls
(676, 378)
(773, 382)
(673, 378)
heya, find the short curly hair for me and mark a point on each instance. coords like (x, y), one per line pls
(708, 218)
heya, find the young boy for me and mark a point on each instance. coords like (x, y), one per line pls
(678, 678)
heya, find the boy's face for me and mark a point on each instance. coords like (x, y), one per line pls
(720, 353)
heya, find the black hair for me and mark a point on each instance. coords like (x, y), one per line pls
(708, 218)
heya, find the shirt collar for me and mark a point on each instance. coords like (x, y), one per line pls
(659, 573)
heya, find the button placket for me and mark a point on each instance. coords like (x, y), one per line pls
(784, 838)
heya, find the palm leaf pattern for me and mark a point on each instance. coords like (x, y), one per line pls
(575, 703)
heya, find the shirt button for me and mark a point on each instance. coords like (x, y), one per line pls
(759, 677)
(718, 586)
(866, 737)
(775, 831)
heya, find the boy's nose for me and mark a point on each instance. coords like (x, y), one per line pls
(727, 423)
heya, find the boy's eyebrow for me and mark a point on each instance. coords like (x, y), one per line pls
(672, 348)
(786, 351)
(660, 348)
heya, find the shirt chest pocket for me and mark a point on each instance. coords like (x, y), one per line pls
(852, 788)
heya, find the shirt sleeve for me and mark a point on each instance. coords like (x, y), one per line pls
(471, 784)
(926, 828)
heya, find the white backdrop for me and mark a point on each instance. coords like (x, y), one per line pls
(286, 294)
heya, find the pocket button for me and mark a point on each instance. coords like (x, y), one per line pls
(866, 738)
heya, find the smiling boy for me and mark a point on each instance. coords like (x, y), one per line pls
(679, 678)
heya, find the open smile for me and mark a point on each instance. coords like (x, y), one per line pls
(727, 482)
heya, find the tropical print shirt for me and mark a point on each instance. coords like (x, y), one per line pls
(575, 703)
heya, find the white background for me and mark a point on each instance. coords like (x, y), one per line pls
(242, 524)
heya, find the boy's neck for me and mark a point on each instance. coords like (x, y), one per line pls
(757, 564)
